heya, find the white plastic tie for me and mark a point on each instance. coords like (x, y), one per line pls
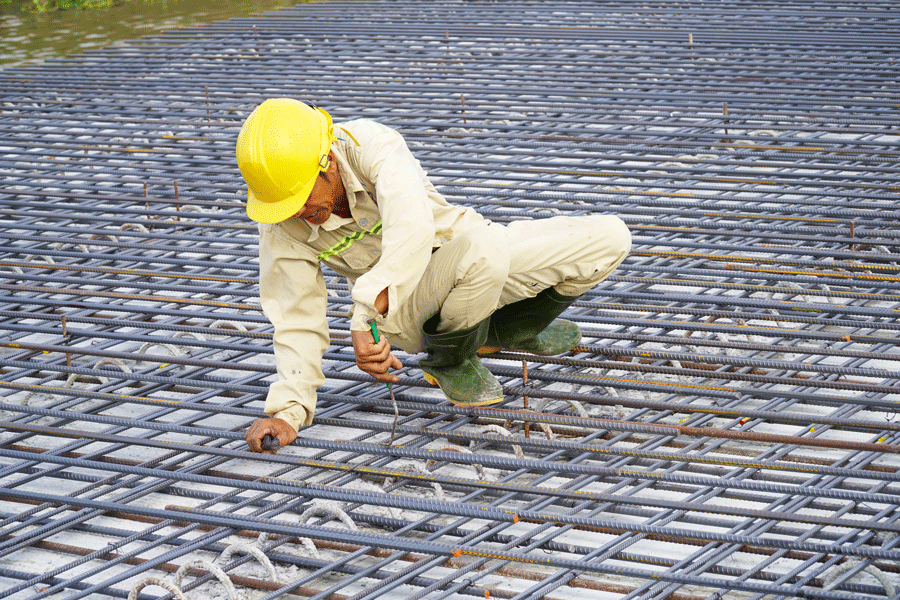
(171, 349)
(726, 350)
(112, 238)
(71, 379)
(196, 336)
(39, 397)
(545, 427)
(111, 361)
(504, 432)
(579, 409)
(47, 259)
(479, 469)
(764, 132)
(830, 581)
(137, 226)
(148, 581)
(304, 541)
(796, 286)
(83, 247)
(248, 549)
(221, 575)
(417, 469)
(223, 324)
(310, 547)
(375, 487)
(192, 208)
(320, 507)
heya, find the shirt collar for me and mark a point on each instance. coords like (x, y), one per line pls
(352, 184)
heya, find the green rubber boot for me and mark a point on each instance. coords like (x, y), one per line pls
(453, 366)
(530, 325)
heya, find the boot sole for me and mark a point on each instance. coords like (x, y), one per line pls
(485, 350)
(434, 382)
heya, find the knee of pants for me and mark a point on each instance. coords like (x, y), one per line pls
(486, 259)
(602, 258)
(609, 248)
(619, 237)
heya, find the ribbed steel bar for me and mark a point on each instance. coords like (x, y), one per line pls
(727, 427)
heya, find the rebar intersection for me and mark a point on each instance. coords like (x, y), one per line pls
(728, 428)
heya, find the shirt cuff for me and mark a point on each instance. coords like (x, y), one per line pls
(361, 316)
(295, 416)
(291, 401)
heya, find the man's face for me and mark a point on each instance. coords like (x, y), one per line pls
(320, 204)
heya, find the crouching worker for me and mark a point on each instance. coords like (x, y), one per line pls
(434, 277)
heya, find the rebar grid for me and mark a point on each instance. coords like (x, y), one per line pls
(727, 429)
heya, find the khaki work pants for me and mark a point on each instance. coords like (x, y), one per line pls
(474, 274)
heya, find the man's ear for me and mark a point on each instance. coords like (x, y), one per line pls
(331, 169)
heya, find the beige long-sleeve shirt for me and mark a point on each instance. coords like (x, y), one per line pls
(397, 219)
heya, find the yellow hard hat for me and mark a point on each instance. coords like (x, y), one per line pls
(281, 149)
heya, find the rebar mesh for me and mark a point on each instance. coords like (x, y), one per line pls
(727, 429)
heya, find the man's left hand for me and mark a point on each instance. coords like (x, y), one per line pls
(277, 428)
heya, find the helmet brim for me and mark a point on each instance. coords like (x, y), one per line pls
(276, 212)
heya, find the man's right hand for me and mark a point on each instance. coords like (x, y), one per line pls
(375, 359)
(277, 428)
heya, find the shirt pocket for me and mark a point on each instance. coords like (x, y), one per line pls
(359, 249)
(363, 253)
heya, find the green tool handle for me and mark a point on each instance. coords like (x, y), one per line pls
(377, 339)
(374, 331)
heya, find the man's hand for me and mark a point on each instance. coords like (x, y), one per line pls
(277, 428)
(375, 359)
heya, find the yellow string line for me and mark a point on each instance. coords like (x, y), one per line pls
(45, 389)
(750, 259)
(114, 271)
(708, 179)
(145, 298)
(821, 273)
(766, 288)
(772, 217)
